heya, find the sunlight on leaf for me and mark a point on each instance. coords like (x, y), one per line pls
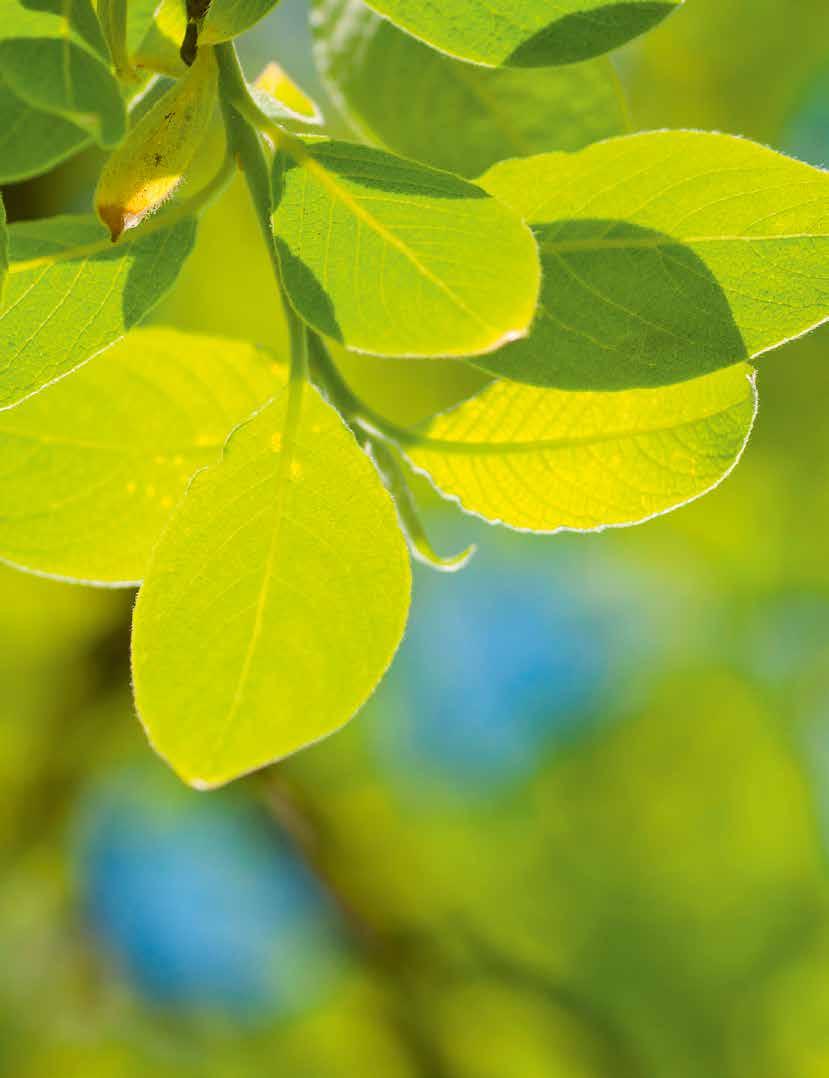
(394, 258)
(544, 460)
(71, 294)
(93, 466)
(666, 256)
(274, 601)
(150, 164)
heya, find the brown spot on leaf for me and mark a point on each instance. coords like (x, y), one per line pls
(113, 218)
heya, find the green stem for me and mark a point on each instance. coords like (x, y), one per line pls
(113, 18)
(350, 405)
(298, 333)
(245, 142)
(389, 465)
(382, 438)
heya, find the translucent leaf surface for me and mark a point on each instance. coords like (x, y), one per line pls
(390, 257)
(91, 468)
(71, 293)
(150, 164)
(666, 256)
(279, 97)
(544, 460)
(274, 601)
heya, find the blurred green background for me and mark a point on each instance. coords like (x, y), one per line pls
(582, 828)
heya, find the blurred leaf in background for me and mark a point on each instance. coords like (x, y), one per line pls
(580, 831)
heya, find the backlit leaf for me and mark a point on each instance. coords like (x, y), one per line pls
(158, 48)
(666, 256)
(462, 117)
(91, 468)
(274, 601)
(543, 460)
(279, 97)
(71, 293)
(390, 257)
(148, 167)
(525, 33)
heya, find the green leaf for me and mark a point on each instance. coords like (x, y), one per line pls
(54, 58)
(274, 601)
(390, 257)
(227, 19)
(91, 468)
(544, 460)
(462, 117)
(158, 48)
(280, 98)
(666, 256)
(71, 294)
(4, 249)
(32, 141)
(525, 33)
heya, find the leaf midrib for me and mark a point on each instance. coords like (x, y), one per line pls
(438, 445)
(654, 242)
(289, 435)
(306, 160)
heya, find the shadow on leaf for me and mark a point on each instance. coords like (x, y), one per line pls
(590, 33)
(621, 307)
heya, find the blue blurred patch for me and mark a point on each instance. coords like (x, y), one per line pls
(499, 662)
(806, 132)
(199, 900)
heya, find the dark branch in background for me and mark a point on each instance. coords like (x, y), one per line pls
(618, 1053)
(411, 964)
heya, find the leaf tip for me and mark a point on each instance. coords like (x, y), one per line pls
(115, 220)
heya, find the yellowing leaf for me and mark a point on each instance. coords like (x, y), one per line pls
(159, 47)
(91, 468)
(545, 460)
(281, 98)
(151, 163)
(275, 599)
